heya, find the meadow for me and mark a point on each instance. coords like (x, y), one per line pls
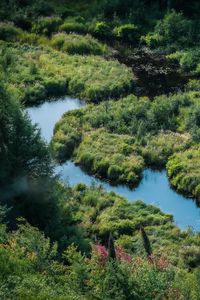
(38, 72)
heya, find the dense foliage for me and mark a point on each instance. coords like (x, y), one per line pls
(183, 170)
(78, 44)
(38, 72)
(20, 143)
(117, 160)
(31, 266)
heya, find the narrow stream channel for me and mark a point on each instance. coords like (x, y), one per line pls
(153, 189)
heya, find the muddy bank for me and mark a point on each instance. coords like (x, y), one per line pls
(155, 73)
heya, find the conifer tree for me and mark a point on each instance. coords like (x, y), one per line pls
(146, 242)
(111, 247)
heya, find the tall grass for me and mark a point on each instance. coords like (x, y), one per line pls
(110, 156)
(78, 44)
(39, 72)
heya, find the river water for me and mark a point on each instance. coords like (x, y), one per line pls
(153, 189)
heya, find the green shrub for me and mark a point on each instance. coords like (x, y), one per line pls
(160, 147)
(183, 171)
(66, 138)
(127, 32)
(102, 166)
(152, 40)
(174, 31)
(71, 26)
(55, 87)
(8, 32)
(32, 39)
(188, 59)
(101, 153)
(114, 172)
(46, 25)
(86, 160)
(193, 122)
(193, 85)
(101, 29)
(35, 93)
(175, 28)
(78, 44)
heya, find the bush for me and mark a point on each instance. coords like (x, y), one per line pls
(102, 154)
(114, 172)
(102, 166)
(127, 32)
(77, 44)
(34, 93)
(183, 171)
(193, 122)
(173, 31)
(101, 29)
(8, 32)
(160, 147)
(152, 40)
(55, 87)
(86, 160)
(188, 59)
(33, 39)
(41, 8)
(66, 138)
(73, 26)
(193, 85)
(46, 25)
(174, 28)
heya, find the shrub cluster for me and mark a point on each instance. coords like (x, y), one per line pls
(160, 147)
(46, 25)
(8, 32)
(66, 138)
(174, 31)
(41, 72)
(188, 59)
(78, 44)
(70, 27)
(183, 172)
(127, 32)
(110, 156)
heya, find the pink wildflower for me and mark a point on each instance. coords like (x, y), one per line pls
(122, 255)
(162, 263)
(102, 253)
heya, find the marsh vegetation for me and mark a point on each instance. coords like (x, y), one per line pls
(62, 242)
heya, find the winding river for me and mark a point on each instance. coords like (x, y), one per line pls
(153, 189)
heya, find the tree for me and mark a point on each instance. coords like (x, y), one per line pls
(111, 247)
(146, 242)
(26, 181)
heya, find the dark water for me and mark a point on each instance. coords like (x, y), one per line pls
(153, 189)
